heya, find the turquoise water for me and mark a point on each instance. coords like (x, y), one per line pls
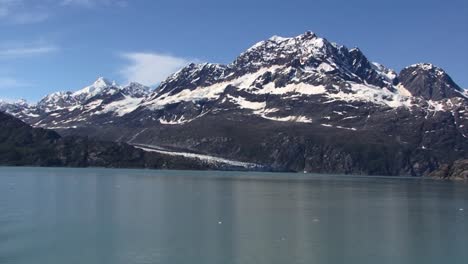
(88, 216)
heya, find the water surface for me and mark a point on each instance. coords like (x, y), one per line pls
(57, 216)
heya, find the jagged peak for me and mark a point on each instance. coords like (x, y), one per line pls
(192, 69)
(280, 50)
(57, 94)
(306, 35)
(300, 40)
(205, 65)
(427, 67)
(103, 82)
(188, 68)
(387, 73)
(276, 38)
(429, 81)
(100, 85)
(136, 84)
(305, 43)
(22, 102)
(135, 89)
(424, 66)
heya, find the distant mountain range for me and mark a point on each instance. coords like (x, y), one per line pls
(286, 104)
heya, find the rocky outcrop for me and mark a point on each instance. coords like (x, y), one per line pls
(458, 170)
(429, 82)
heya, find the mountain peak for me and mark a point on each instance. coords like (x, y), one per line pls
(100, 85)
(423, 65)
(429, 68)
(281, 50)
(103, 82)
(306, 35)
(136, 90)
(426, 67)
(135, 84)
(22, 102)
(17, 102)
(276, 38)
(429, 81)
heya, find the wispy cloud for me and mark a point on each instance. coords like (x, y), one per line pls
(150, 68)
(6, 83)
(35, 11)
(26, 51)
(94, 3)
(22, 11)
(29, 17)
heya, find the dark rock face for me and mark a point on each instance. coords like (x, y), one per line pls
(429, 82)
(458, 170)
(22, 145)
(367, 71)
(192, 76)
(288, 104)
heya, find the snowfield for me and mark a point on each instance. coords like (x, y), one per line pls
(205, 158)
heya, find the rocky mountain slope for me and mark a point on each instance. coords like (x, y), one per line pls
(458, 170)
(23, 145)
(301, 104)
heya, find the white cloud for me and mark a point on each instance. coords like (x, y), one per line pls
(150, 68)
(26, 51)
(6, 83)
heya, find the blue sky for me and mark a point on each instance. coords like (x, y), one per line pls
(53, 45)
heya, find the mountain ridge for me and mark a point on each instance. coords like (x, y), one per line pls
(23, 145)
(306, 82)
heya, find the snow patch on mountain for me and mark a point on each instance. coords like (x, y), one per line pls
(388, 74)
(295, 88)
(206, 158)
(179, 120)
(298, 119)
(403, 91)
(211, 92)
(325, 67)
(122, 107)
(176, 120)
(339, 127)
(245, 104)
(372, 94)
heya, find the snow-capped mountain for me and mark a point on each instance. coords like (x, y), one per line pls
(102, 98)
(100, 88)
(299, 103)
(136, 90)
(295, 79)
(18, 105)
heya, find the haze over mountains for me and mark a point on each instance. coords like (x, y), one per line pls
(287, 104)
